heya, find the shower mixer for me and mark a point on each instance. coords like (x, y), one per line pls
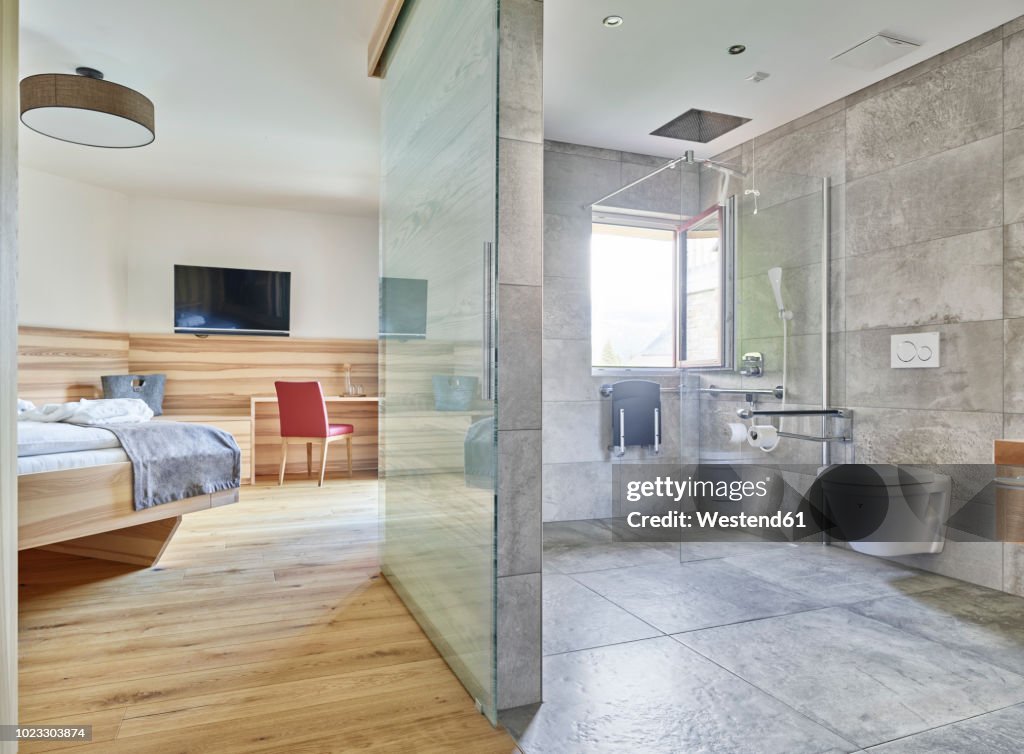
(753, 364)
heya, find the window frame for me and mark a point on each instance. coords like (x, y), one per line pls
(679, 225)
(726, 285)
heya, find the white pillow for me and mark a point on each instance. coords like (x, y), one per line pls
(24, 406)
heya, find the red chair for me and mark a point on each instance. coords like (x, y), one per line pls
(304, 419)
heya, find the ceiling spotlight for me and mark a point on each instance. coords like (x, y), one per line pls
(737, 49)
(757, 77)
(612, 21)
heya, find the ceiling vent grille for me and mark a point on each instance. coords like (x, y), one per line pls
(872, 54)
(700, 125)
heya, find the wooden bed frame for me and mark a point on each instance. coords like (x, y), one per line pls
(90, 512)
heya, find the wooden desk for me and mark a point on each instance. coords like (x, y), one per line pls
(360, 411)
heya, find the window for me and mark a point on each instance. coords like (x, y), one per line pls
(632, 296)
(638, 268)
(706, 272)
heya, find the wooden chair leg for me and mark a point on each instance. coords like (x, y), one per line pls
(284, 461)
(309, 459)
(323, 462)
(348, 450)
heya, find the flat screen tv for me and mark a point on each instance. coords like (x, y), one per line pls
(226, 301)
(403, 308)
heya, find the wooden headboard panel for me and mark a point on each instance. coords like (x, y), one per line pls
(55, 366)
(203, 374)
(220, 374)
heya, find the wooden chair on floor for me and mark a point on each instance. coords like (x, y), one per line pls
(304, 419)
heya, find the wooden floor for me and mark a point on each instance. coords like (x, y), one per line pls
(265, 628)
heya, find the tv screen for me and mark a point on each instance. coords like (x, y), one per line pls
(221, 300)
(403, 308)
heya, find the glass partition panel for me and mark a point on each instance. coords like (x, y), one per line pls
(779, 244)
(779, 264)
(779, 229)
(437, 434)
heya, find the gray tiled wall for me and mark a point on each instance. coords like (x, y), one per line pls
(520, 301)
(928, 175)
(577, 422)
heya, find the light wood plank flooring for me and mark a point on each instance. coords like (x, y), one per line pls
(264, 628)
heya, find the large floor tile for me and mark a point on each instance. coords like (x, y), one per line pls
(577, 618)
(836, 576)
(863, 678)
(562, 533)
(578, 546)
(984, 622)
(730, 545)
(688, 596)
(658, 696)
(599, 556)
(999, 732)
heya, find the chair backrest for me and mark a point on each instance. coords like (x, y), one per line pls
(303, 410)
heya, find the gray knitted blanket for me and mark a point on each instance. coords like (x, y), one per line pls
(174, 460)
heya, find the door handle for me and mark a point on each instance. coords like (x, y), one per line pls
(487, 341)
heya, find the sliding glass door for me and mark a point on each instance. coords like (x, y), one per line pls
(437, 432)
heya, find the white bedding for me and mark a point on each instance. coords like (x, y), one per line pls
(87, 412)
(42, 438)
(75, 460)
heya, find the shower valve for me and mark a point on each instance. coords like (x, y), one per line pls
(753, 364)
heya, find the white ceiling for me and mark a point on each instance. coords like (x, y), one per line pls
(259, 102)
(267, 102)
(612, 87)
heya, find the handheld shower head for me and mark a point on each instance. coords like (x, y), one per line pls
(775, 278)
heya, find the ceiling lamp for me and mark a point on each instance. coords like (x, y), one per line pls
(85, 109)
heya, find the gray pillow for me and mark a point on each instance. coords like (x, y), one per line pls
(147, 387)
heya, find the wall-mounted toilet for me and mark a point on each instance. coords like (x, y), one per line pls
(888, 510)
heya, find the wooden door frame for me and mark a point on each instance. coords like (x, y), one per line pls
(8, 367)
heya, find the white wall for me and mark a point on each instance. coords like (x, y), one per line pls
(71, 242)
(96, 259)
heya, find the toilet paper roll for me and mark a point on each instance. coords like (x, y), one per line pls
(736, 431)
(763, 436)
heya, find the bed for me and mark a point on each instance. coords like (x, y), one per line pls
(78, 493)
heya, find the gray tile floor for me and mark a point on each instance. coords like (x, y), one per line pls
(758, 648)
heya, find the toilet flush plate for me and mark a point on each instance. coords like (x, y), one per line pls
(914, 350)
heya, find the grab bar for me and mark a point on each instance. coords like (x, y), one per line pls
(607, 390)
(839, 413)
(776, 391)
(815, 438)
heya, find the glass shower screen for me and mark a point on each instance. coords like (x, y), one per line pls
(437, 433)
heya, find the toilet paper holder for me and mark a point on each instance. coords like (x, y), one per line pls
(749, 413)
